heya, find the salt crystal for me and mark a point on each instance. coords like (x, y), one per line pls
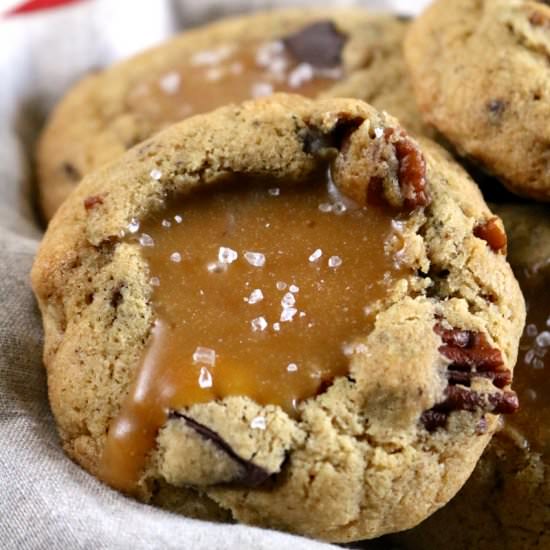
(294, 289)
(146, 240)
(166, 223)
(531, 330)
(276, 327)
(280, 285)
(302, 314)
(325, 207)
(133, 226)
(378, 132)
(315, 255)
(274, 191)
(205, 378)
(154, 281)
(258, 423)
(175, 257)
(334, 261)
(256, 259)
(211, 57)
(301, 74)
(288, 300)
(155, 174)
(287, 314)
(227, 255)
(269, 51)
(292, 367)
(258, 324)
(216, 267)
(339, 208)
(170, 82)
(543, 339)
(261, 89)
(255, 296)
(529, 356)
(178, 218)
(538, 363)
(204, 356)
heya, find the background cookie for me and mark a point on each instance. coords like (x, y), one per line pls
(506, 502)
(481, 77)
(378, 447)
(110, 111)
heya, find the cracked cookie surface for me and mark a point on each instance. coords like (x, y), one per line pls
(110, 111)
(506, 502)
(481, 76)
(358, 458)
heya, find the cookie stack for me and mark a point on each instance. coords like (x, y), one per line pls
(270, 297)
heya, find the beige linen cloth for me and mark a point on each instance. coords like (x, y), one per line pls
(46, 501)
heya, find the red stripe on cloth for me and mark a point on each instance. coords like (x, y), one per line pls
(34, 5)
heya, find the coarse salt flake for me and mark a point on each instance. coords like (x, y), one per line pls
(227, 255)
(170, 82)
(155, 174)
(256, 259)
(288, 314)
(133, 226)
(288, 300)
(175, 257)
(205, 378)
(334, 261)
(204, 356)
(292, 367)
(261, 89)
(315, 255)
(258, 423)
(255, 296)
(146, 240)
(259, 324)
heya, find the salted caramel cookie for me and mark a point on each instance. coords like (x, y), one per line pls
(506, 503)
(285, 312)
(347, 53)
(481, 76)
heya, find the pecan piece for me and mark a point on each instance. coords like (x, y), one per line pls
(491, 232)
(470, 356)
(92, 202)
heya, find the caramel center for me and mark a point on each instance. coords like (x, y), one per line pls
(258, 291)
(532, 372)
(227, 74)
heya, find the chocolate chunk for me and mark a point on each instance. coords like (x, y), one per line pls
(319, 44)
(71, 172)
(251, 475)
(92, 202)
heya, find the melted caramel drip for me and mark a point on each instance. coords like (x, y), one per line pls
(223, 75)
(532, 372)
(276, 322)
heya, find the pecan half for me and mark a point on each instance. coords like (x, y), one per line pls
(491, 232)
(470, 356)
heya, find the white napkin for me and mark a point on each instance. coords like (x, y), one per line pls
(46, 501)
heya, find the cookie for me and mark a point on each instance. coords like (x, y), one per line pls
(346, 53)
(481, 77)
(506, 502)
(288, 311)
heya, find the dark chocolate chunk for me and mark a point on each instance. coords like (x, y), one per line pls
(251, 474)
(319, 44)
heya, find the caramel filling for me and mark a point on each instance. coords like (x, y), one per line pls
(227, 74)
(258, 291)
(532, 372)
